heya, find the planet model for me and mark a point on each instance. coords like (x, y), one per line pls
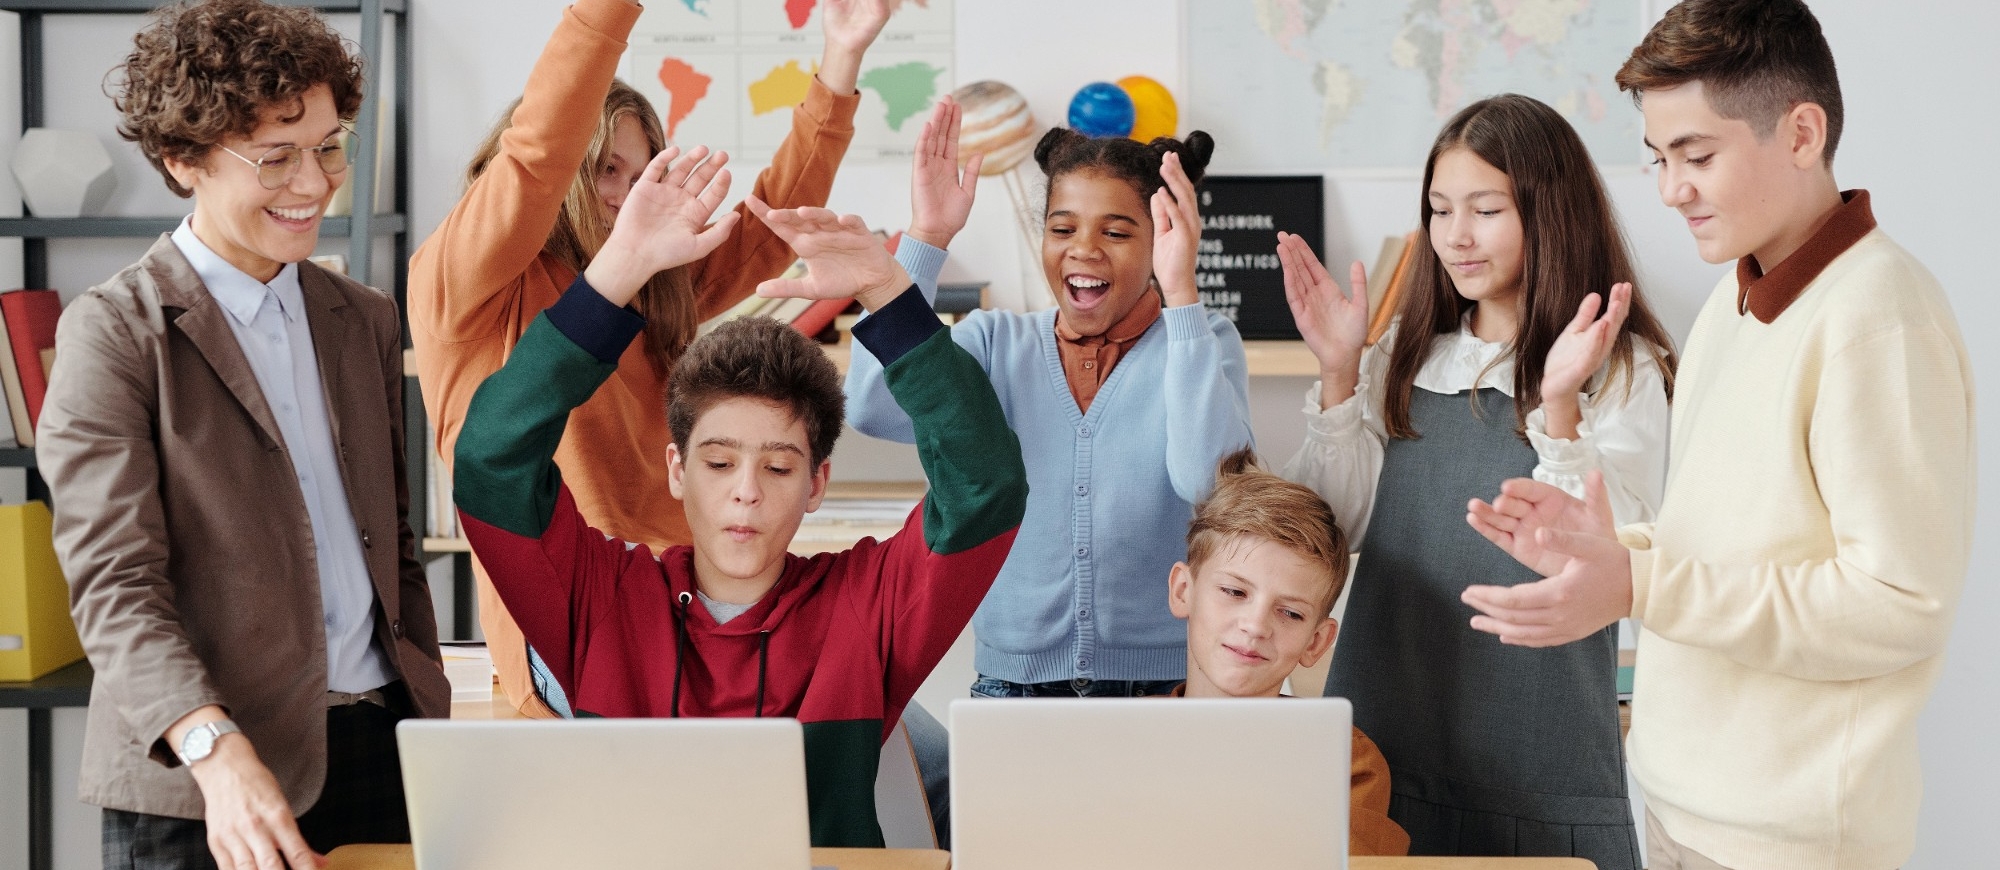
(996, 122)
(1154, 113)
(1101, 109)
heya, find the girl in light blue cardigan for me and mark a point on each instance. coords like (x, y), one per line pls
(1123, 407)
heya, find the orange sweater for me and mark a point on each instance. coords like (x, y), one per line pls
(481, 278)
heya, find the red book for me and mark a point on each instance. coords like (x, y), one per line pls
(31, 329)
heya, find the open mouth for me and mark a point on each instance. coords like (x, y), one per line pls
(1086, 291)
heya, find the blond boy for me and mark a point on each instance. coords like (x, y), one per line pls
(1266, 560)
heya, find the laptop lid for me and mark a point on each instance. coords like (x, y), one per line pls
(628, 793)
(1162, 784)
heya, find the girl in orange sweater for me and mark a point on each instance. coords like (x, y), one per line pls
(541, 196)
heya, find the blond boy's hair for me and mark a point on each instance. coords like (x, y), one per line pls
(1251, 503)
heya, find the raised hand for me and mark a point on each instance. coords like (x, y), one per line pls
(940, 192)
(1570, 542)
(850, 26)
(843, 259)
(660, 224)
(1176, 233)
(1334, 324)
(1582, 347)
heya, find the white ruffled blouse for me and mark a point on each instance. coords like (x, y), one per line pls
(1623, 433)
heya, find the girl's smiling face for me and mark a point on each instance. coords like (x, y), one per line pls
(1476, 227)
(1097, 249)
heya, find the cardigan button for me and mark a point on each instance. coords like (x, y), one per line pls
(1083, 431)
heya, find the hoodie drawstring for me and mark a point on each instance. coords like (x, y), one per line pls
(681, 648)
(763, 659)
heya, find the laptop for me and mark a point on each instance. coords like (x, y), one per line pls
(626, 793)
(1180, 784)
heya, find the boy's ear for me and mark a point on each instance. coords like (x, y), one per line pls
(1803, 130)
(1180, 585)
(675, 467)
(1321, 642)
(819, 479)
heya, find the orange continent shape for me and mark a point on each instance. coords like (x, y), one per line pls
(686, 86)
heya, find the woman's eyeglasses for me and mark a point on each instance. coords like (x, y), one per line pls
(277, 167)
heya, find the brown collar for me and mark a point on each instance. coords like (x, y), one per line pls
(1128, 328)
(1767, 295)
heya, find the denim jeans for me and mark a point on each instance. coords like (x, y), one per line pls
(991, 687)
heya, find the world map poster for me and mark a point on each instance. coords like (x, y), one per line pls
(1364, 85)
(726, 73)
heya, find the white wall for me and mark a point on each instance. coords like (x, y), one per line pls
(1914, 138)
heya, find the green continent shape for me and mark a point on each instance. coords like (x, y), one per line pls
(906, 88)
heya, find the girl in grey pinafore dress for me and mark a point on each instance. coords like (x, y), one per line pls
(1492, 749)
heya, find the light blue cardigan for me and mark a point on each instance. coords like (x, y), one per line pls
(1110, 493)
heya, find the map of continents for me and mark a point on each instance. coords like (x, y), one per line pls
(1365, 85)
(906, 89)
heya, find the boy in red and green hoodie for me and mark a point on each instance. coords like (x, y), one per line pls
(735, 625)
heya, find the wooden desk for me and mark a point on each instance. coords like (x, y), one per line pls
(66, 687)
(398, 857)
(1366, 863)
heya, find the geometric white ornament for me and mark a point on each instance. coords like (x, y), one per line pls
(63, 173)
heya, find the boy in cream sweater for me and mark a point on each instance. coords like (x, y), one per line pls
(1799, 585)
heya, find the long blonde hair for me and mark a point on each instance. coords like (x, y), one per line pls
(667, 300)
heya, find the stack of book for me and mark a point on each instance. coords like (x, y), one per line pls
(1385, 282)
(27, 353)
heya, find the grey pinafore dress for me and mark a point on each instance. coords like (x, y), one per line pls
(1492, 749)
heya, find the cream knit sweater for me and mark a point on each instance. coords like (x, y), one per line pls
(1799, 585)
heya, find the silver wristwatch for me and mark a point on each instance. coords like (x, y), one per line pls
(199, 742)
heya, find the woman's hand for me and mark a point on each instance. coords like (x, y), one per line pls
(843, 259)
(1176, 234)
(1334, 324)
(940, 192)
(660, 224)
(1577, 355)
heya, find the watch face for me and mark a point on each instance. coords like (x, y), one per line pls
(198, 743)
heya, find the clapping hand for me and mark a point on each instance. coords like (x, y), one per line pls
(1583, 346)
(1570, 542)
(1334, 324)
(843, 259)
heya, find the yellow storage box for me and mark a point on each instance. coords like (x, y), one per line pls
(36, 633)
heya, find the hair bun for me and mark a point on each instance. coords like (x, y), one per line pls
(1053, 142)
(1195, 151)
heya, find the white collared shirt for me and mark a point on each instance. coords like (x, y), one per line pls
(269, 321)
(1623, 433)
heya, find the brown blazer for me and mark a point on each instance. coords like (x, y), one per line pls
(185, 537)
